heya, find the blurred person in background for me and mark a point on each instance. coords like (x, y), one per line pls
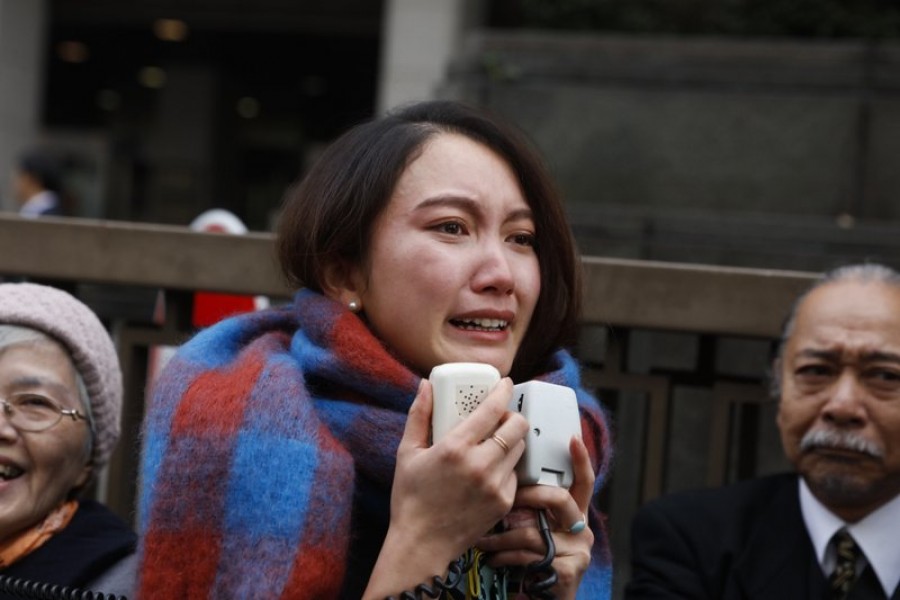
(37, 185)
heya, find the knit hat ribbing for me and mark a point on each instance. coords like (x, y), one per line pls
(66, 319)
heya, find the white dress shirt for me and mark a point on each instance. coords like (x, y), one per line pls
(39, 204)
(878, 535)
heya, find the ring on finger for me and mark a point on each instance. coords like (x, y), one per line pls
(579, 526)
(500, 442)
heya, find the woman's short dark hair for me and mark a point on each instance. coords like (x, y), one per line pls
(329, 215)
(44, 168)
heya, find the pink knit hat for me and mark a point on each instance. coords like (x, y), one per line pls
(61, 316)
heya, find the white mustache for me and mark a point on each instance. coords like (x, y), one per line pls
(840, 440)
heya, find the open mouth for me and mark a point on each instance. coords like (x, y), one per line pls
(8, 472)
(480, 324)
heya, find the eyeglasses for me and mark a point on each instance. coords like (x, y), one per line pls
(34, 413)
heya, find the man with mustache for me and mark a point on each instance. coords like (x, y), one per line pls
(832, 529)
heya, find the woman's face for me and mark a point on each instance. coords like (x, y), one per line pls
(452, 274)
(37, 470)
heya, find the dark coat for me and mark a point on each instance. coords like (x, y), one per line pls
(746, 541)
(93, 542)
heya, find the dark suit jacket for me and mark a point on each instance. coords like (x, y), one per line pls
(740, 542)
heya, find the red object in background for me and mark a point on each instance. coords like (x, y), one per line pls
(210, 307)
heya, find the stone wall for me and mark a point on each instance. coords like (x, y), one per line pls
(794, 142)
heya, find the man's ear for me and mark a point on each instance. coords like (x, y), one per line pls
(343, 282)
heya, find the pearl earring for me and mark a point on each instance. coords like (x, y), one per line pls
(353, 305)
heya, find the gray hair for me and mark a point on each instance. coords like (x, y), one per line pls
(863, 273)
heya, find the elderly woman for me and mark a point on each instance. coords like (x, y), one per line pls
(61, 397)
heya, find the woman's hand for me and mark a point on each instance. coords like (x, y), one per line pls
(446, 496)
(521, 542)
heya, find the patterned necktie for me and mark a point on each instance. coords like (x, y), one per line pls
(848, 554)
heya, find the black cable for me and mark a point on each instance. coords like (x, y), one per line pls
(37, 590)
(457, 569)
(540, 575)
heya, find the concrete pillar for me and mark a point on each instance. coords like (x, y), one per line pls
(421, 37)
(22, 40)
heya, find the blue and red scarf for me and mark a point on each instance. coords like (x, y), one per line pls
(256, 436)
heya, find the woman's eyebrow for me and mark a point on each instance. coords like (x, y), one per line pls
(521, 214)
(28, 381)
(469, 205)
(35, 381)
(461, 202)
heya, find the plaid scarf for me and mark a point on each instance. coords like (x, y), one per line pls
(256, 438)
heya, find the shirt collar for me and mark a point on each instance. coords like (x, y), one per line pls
(38, 204)
(876, 534)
